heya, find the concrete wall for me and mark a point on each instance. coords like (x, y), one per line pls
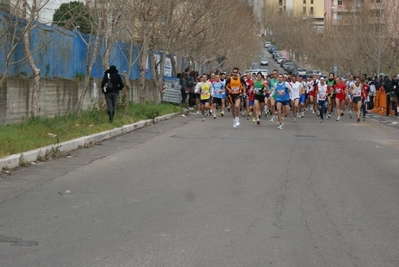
(57, 97)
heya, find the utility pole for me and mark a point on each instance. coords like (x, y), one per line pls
(379, 41)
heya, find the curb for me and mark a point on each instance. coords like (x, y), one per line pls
(32, 155)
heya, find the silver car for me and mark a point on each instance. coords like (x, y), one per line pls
(264, 61)
(280, 59)
(301, 71)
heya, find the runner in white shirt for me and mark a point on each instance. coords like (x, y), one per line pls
(322, 91)
(349, 83)
(296, 89)
(357, 93)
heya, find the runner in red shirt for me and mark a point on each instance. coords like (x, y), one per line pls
(339, 88)
(364, 97)
(250, 85)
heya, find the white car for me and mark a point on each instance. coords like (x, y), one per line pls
(264, 61)
(301, 71)
(280, 59)
(267, 44)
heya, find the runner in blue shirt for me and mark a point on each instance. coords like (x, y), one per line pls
(281, 92)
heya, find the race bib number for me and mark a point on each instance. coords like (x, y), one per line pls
(322, 97)
(235, 89)
(204, 92)
(281, 92)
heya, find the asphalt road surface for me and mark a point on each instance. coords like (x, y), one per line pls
(191, 193)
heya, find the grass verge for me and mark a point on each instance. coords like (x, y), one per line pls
(38, 132)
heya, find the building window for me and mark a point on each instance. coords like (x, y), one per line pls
(311, 2)
(340, 2)
(304, 1)
(304, 10)
(280, 2)
(311, 11)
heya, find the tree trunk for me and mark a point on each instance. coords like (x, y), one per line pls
(89, 67)
(173, 62)
(143, 63)
(36, 75)
(158, 76)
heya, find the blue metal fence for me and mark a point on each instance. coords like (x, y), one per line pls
(62, 53)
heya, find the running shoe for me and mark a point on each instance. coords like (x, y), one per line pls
(247, 117)
(342, 113)
(302, 114)
(238, 123)
(358, 119)
(214, 117)
(253, 120)
(294, 118)
(228, 109)
(222, 113)
(350, 116)
(203, 119)
(272, 119)
(235, 123)
(321, 120)
(329, 116)
(364, 118)
(338, 118)
(198, 112)
(280, 127)
(258, 122)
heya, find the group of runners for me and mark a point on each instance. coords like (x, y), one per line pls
(278, 95)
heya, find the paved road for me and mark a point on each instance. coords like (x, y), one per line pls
(188, 193)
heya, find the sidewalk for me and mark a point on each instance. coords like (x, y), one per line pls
(392, 121)
(13, 161)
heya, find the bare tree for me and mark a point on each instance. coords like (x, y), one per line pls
(13, 35)
(33, 10)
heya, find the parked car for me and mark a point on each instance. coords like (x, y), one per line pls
(280, 59)
(267, 44)
(287, 63)
(301, 71)
(276, 55)
(271, 49)
(264, 61)
(290, 68)
(294, 71)
(313, 72)
(283, 61)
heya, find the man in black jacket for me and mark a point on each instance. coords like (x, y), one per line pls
(112, 94)
(390, 90)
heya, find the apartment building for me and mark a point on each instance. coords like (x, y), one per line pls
(313, 10)
(338, 10)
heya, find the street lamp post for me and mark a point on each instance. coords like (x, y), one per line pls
(335, 68)
(379, 41)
